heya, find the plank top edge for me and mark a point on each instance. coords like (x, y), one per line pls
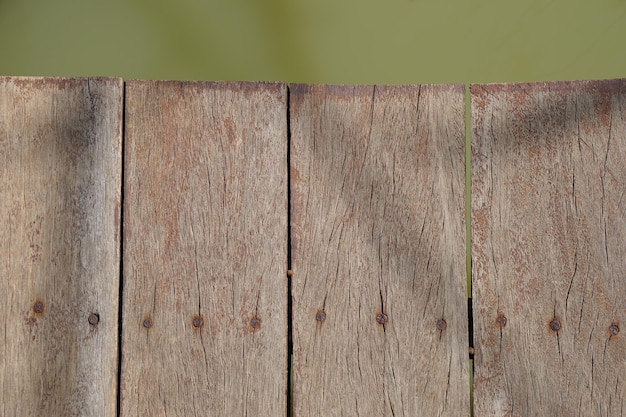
(62, 81)
(345, 89)
(246, 86)
(474, 87)
(615, 84)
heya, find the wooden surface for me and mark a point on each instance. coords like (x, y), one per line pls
(549, 242)
(377, 245)
(60, 196)
(205, 244)
(377, 182)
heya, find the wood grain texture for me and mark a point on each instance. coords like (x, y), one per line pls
(205, 250)
(549, 242)
(60, 196)
(377, 180)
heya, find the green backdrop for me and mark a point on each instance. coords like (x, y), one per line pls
(321, 41)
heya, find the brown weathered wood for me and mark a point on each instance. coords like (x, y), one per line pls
(60, 195)
(205, 244)
(378, 228)
(549, 242)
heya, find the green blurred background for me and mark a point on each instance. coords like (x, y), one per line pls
(317, 41)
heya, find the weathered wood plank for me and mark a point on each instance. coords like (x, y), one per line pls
(378, 253)
(205, 250)
(549, 243)
(60, 196)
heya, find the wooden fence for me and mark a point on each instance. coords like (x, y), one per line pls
(258, 249)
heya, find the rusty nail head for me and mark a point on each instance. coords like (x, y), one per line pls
(255, 323)
(38, 307)
(381, 318)
(147, 323)
(442, 325)
(555, 325)
(198, 321)
(613, 329)
(94, 318)
(501, 320)
(320, 316)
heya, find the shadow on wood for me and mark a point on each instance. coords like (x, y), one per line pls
(378, 244)
(548, 254)
(60, 202)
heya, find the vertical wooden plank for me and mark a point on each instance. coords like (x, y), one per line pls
(205, 249)
(379, 298)
(60, 195)
(549, 239)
